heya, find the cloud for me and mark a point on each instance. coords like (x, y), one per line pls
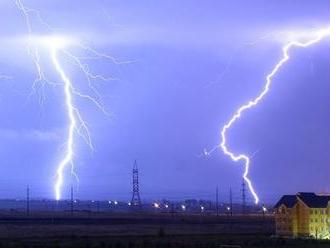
(30, 135)
(43, 136)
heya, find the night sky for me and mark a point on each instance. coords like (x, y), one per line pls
(192, 64)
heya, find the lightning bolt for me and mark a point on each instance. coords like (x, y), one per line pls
(76, 122)
(72, 126)
(314, 38)
(55, 45)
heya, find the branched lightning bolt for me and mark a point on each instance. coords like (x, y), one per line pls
(55, 45)
(314, 37)
(72, 126)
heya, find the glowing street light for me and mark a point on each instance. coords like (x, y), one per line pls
(264, 209)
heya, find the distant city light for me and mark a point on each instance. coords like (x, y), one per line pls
(115, 202)
(202, 208)
(129, 204)
(109, 202)
(228, 208)
(264, 209)
(183, 207)
(156, 205)
(166, 205)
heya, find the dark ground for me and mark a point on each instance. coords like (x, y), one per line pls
(61, 230)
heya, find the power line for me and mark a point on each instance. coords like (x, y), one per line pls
(136, 201)
(28, 200)
(217, 199)
(243, 197)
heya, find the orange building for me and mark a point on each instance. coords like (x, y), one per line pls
(303, 215)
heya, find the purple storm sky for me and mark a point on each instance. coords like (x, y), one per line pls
(195, 62)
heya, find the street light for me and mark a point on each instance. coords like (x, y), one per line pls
(264, 209)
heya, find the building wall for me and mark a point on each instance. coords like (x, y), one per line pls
(295, 222)
(302, 218)
(284, 221)
(302, 221)
(319, 222)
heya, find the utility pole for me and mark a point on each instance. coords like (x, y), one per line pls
(231, 202)
(98, 206)
(27, 200)
(172, 210)
(264, 210)
(217, 200)
(71, 207)
(243, 197)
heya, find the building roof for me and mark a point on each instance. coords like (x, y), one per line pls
(312, 200)
(288, 200)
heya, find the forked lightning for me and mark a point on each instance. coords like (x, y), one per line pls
(309, 38)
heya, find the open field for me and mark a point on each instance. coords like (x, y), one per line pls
(102, 224)
(170, 241)
(61, 229)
